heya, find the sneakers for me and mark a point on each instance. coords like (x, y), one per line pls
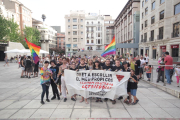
(65, 99)
(53, 98)
(47, 100)
(120, 98)
(73, 99)
(29, 77)
(113, 102)
(42, 102)
(58, 98)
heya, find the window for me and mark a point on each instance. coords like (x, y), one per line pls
(152, 20)
(74, 39)
(153, 5)
(87, 23)
(152, 35)
(162, 15)
(176, 28)
(142, 3)
(141, 38)
(74, 19)
(98, 28)
(142, 26)
(68, 20)
(142, 15)
(74, 45)
(74, 32)
(177, 9)
(146, 23)
(69, 39)
(92, 41)
(98, 34)
(68, 33)
(81, 33)
(81, 26)
(99, 41)
(98, 22)
(87, 41)
(146, 11)
(81, 20)
(81, 39)
(146, 0)
(161, 33)
(68, 26)
(74, 26)
(145, 37)
(162, 1)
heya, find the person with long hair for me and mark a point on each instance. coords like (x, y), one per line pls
(90, 64)
(22, 66)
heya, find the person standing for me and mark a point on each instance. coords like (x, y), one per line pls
(36, 70)
(28, 66)
(6, 61)
(161, 70)
(168, 61)
(22, 66)
(81, 67)
(147, 59)
(55, 71)
(177, 74)
(45, 81)
(137, 67)
(143, 63)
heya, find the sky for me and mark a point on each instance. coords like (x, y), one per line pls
(55, 10)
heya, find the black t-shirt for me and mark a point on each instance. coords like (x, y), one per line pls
(59, 64)
(117, 68)
(37, 64)
(55, 71)
(85, 67)
(138, 62)
(128, 70)
(105, 67)
(133, 84)
(102, 64)
(28, 63)
(73, 69)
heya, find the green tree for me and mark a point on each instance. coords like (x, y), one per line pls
(4, 30)
(32, 35)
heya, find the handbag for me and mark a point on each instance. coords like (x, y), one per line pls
(157, 70)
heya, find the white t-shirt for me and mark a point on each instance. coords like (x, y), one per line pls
(142, 62)
(147, 58)
(178, 71)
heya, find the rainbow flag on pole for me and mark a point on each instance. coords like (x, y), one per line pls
(34, 50)
(110, 49)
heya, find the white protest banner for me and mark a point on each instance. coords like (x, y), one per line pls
(97, 83)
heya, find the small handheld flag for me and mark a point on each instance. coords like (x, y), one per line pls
(110, 49)
(34, 50)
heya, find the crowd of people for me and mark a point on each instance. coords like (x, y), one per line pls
(52, 72)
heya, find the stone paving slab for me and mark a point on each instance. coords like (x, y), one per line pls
(20, 99)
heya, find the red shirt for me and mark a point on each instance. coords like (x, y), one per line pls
(168, 61)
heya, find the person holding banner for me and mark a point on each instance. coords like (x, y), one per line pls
(80, 67)
(107, 67)
(97, 66)
(63, 85)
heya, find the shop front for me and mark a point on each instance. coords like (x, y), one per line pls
(162, 50)
(175, 50)
(147, 51)
(141, 51)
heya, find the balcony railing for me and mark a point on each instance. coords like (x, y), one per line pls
(87, 30)
(92, 30)
(175, 35)
(151, 39)
(98, 49)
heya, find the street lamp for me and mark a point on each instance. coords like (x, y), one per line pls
(43, 17)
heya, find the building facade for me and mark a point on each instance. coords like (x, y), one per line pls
(21, 13)
(48, 35)
(108, 29)
(61, 40)
(127, 28)
(74, 31)
(94, 32)
(160, 28)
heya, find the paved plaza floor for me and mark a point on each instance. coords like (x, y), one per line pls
(20, 99)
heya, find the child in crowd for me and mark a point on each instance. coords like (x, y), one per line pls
(133, 86)
(148, 70)
(177, 74)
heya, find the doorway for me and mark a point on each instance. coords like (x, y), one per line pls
(154, 54)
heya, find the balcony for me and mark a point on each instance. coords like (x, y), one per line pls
(90, 25)
(173, 35)
(92, 30)
(151, 39)
(87, 30)
(90, 44)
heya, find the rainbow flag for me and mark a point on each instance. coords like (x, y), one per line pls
(34, 50)
(110, 49)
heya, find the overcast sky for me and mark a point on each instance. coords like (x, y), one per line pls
(55, 10)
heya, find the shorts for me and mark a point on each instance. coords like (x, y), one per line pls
(22, 68)
(25, 69)
(29, 69)
(137, 71)
(36, 69)
(133, 92)
(128, 87)
(141, 70)
(148, 75)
